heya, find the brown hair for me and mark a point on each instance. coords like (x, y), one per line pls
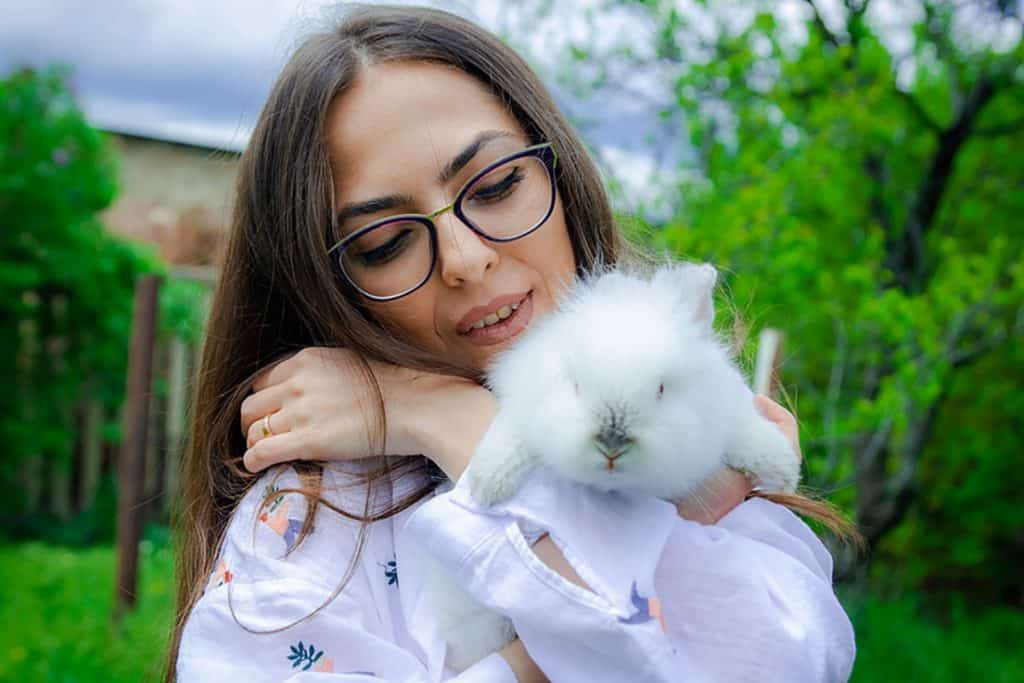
(277, 293)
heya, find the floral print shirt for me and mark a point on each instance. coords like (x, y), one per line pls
(747, 599)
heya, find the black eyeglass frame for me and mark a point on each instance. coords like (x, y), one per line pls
(543, 151)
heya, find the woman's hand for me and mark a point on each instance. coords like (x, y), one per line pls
(317, 405)
(727, 488)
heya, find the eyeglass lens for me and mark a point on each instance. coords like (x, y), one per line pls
(397, 256)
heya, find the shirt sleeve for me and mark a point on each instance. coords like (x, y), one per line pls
(272, 611)
(335, 645)
(671, 600)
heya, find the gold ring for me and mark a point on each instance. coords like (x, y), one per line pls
(266, 425)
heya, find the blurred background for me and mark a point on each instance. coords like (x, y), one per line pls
(854, 167)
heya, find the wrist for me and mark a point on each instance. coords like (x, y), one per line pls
(716, 497)
(451, 425)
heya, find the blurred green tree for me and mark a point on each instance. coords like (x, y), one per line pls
(868, 202)
(66, 286)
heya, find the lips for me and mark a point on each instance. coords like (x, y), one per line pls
(480, 312)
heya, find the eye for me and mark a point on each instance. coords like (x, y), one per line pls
(499, 190)
(661, 390)
(388, 251)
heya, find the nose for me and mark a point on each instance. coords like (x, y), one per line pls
(613, 443)
(463, 256)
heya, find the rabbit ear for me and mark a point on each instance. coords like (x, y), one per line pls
(693, 285)
(705, 278)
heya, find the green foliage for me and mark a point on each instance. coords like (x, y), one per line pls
(96, 524)
(182, 310)
(66, 285)
(56, 615)
(877, 222)
(903, 640)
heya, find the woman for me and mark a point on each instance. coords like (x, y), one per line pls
(385, 310)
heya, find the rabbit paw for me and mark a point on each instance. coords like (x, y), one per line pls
(499, 465)
(496, 480)
(760, 449)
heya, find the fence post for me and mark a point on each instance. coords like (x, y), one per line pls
(132, 459)
(766, 367)
(152, 479)
(92, 449)
(177, 382)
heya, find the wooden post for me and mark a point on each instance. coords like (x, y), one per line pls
(31, 466)
(152, 479)
(92, 450)
(177, 382)
(766, 367)
(131, 464)
(60, 461)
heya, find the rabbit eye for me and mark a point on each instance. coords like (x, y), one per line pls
(661, 390)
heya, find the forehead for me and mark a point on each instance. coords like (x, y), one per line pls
(405, 119)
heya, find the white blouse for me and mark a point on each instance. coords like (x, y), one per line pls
(747, 599)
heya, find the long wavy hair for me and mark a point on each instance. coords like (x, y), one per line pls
(277, 293)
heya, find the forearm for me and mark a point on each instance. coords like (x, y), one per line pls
(522, 664)
(449, 433)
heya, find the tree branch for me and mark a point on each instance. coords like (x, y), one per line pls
(835, 385)
(919, 111)
(960, 358)
(906, 257)
(819, 23)
(1000, 129)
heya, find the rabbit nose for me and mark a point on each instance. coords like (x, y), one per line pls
(612, 444)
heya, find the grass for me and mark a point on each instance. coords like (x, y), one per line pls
(896, 641)
(55, 615)
(55, 626)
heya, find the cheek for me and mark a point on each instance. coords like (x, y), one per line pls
(552, 255)
(411, 317)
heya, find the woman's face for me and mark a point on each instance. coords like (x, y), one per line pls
(393, 133)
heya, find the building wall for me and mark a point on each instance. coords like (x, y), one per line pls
(176, 197)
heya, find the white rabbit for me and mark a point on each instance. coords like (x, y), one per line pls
(626, 387)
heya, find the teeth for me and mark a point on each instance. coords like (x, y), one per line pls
(500, 314)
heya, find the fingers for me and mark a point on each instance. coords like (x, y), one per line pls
(276, 373)
(263, 402)
(277, 422)
(312, 358)
(782, 418)
(275, 449)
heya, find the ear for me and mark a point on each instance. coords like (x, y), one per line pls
(693, 285)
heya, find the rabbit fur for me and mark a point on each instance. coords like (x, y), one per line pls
(626, 387)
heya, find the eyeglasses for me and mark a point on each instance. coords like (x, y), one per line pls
(505, 201)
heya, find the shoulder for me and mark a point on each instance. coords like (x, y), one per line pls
(293, 526)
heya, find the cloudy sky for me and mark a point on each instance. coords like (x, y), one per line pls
(197, 71)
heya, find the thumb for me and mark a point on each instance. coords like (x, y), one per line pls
(782, 418)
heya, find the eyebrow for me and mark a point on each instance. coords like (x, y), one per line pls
(392, 201)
